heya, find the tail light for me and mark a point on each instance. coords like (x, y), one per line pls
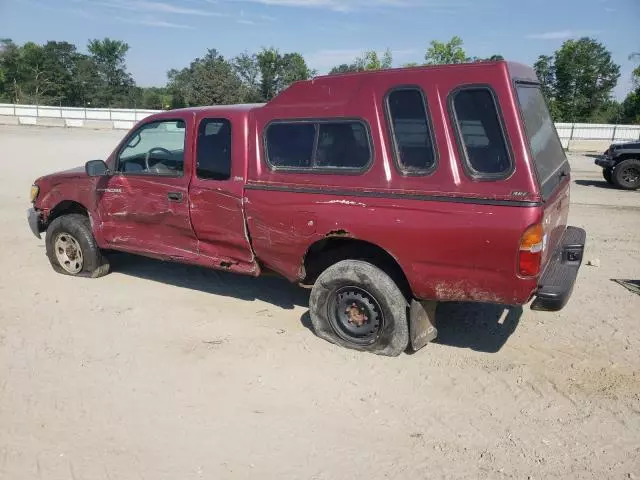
(530, 254)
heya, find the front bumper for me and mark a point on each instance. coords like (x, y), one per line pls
(34, 221)
(556, 284)
(605, 162)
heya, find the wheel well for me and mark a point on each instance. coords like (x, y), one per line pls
(627, 156)
(64, 208)
(329, 251)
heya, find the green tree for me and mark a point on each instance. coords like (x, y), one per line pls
(86, 83)
(446, 53)
(36, 79)
(630, 108)
(60, 59)
(579, 80)
(247, 68)
(492, 58)
(210, 80)
(116, 85)
(278, 71)
(294, 69)
(345, 68)
(153, 98)
(635, 75)
(371, 61)
(610, 112)
(545, 71)
(269, 64)
(11, 72)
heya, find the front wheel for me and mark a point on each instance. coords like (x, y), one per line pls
(72, 249)
(607, 173)
(627, 174)
(356, 305)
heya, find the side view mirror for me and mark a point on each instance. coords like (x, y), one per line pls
(96, 168)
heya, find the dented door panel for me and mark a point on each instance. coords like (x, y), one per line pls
(218, 220)
(145, 212)
(138, 215)
(216, 197)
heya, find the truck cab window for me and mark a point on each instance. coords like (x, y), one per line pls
(213, 154)
(319, 145)
(290, 145)
(156, 148)
(411, 134)
(480, 133)
(342, 145)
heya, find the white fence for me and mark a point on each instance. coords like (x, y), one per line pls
(121, 118)
(118, 118)
(597, 131)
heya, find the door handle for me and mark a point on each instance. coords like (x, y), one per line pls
(175, 196)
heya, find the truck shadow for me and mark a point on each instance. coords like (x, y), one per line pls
(477, 326)
(594, 183)
(271, 289)
(482, 327)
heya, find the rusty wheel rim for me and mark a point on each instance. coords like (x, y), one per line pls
(68, 253)
(355, 315)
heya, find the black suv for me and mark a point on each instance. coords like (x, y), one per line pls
(621, 165)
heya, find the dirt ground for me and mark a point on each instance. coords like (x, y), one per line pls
(161, 371)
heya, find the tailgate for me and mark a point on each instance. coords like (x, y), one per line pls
(554, 223)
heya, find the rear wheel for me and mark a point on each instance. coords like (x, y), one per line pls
(607, 173)
(627, 174)
(357, 305)
(72, 249)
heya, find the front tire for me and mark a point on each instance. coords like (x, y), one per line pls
(72, 249)
(627, 174)
(607, 173)
(358, 306)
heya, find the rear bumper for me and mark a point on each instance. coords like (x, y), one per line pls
(34, 221)
(556, 284)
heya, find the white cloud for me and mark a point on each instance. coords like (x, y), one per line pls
(153, 6)
(153, 22)
(351, 5)
(560, 35)
(81, 13)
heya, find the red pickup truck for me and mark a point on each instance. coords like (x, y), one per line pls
(385, 191)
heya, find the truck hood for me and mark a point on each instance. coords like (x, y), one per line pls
(627, 146)
(63, 175)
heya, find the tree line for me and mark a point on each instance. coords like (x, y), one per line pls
(578, 79)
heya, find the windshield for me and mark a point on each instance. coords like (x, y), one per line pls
(546, 149)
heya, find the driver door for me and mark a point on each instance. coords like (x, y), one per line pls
(144, 205)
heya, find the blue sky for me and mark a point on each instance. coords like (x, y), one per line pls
(166, 34)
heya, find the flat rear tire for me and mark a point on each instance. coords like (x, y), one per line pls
(358, 306)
